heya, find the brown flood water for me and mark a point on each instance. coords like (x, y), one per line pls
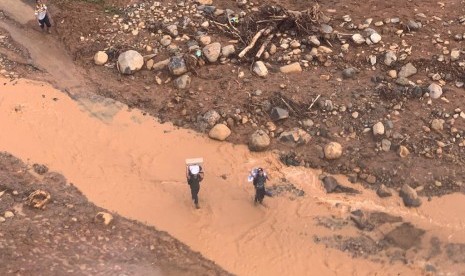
(133, 165)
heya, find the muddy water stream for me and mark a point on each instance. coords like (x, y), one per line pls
(133, 165)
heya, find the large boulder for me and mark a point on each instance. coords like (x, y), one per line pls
(100, 58)
(295, 137)
(333, 150)
(177, 66)
(259, 141)
(130, 62)
(212, 51)
(409, 196)
(219, 132)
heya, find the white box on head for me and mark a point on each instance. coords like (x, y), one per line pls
(193, 164)
(194, 161)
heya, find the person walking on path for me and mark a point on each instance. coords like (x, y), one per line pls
(42, 15)
(259, 180)
(194, 174)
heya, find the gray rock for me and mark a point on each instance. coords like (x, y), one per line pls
(378, 129)
(228, 50)
(372, 59)
(386, 145)
(349, 73)
(409, 196)
(413, 25)
(308, 123)
(326, 29)
(259, 141)
(130, 62)
(183, 82)
(435, 91)
(211, 117)
(454, 55)
(368, 32)
(260, 69)
(330, 184)
(358, 39)
(173, 29)
(278, 113)
(177, 66)
(407, 70)
(362, 220)
(383, 191)
(375, 38)
(295, 137)
(390, 58)
(313, 40)
(403, 81)
(212, 51)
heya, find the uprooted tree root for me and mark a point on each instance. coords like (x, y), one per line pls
(258, 29)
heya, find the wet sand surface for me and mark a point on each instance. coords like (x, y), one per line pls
(130, 163)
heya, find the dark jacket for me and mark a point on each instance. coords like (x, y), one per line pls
(194, 179)
(259, 181)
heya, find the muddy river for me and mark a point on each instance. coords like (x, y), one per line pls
(133, 165)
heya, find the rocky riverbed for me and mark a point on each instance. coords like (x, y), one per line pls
(385, 85)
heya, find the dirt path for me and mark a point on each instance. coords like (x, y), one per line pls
(45, 52)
